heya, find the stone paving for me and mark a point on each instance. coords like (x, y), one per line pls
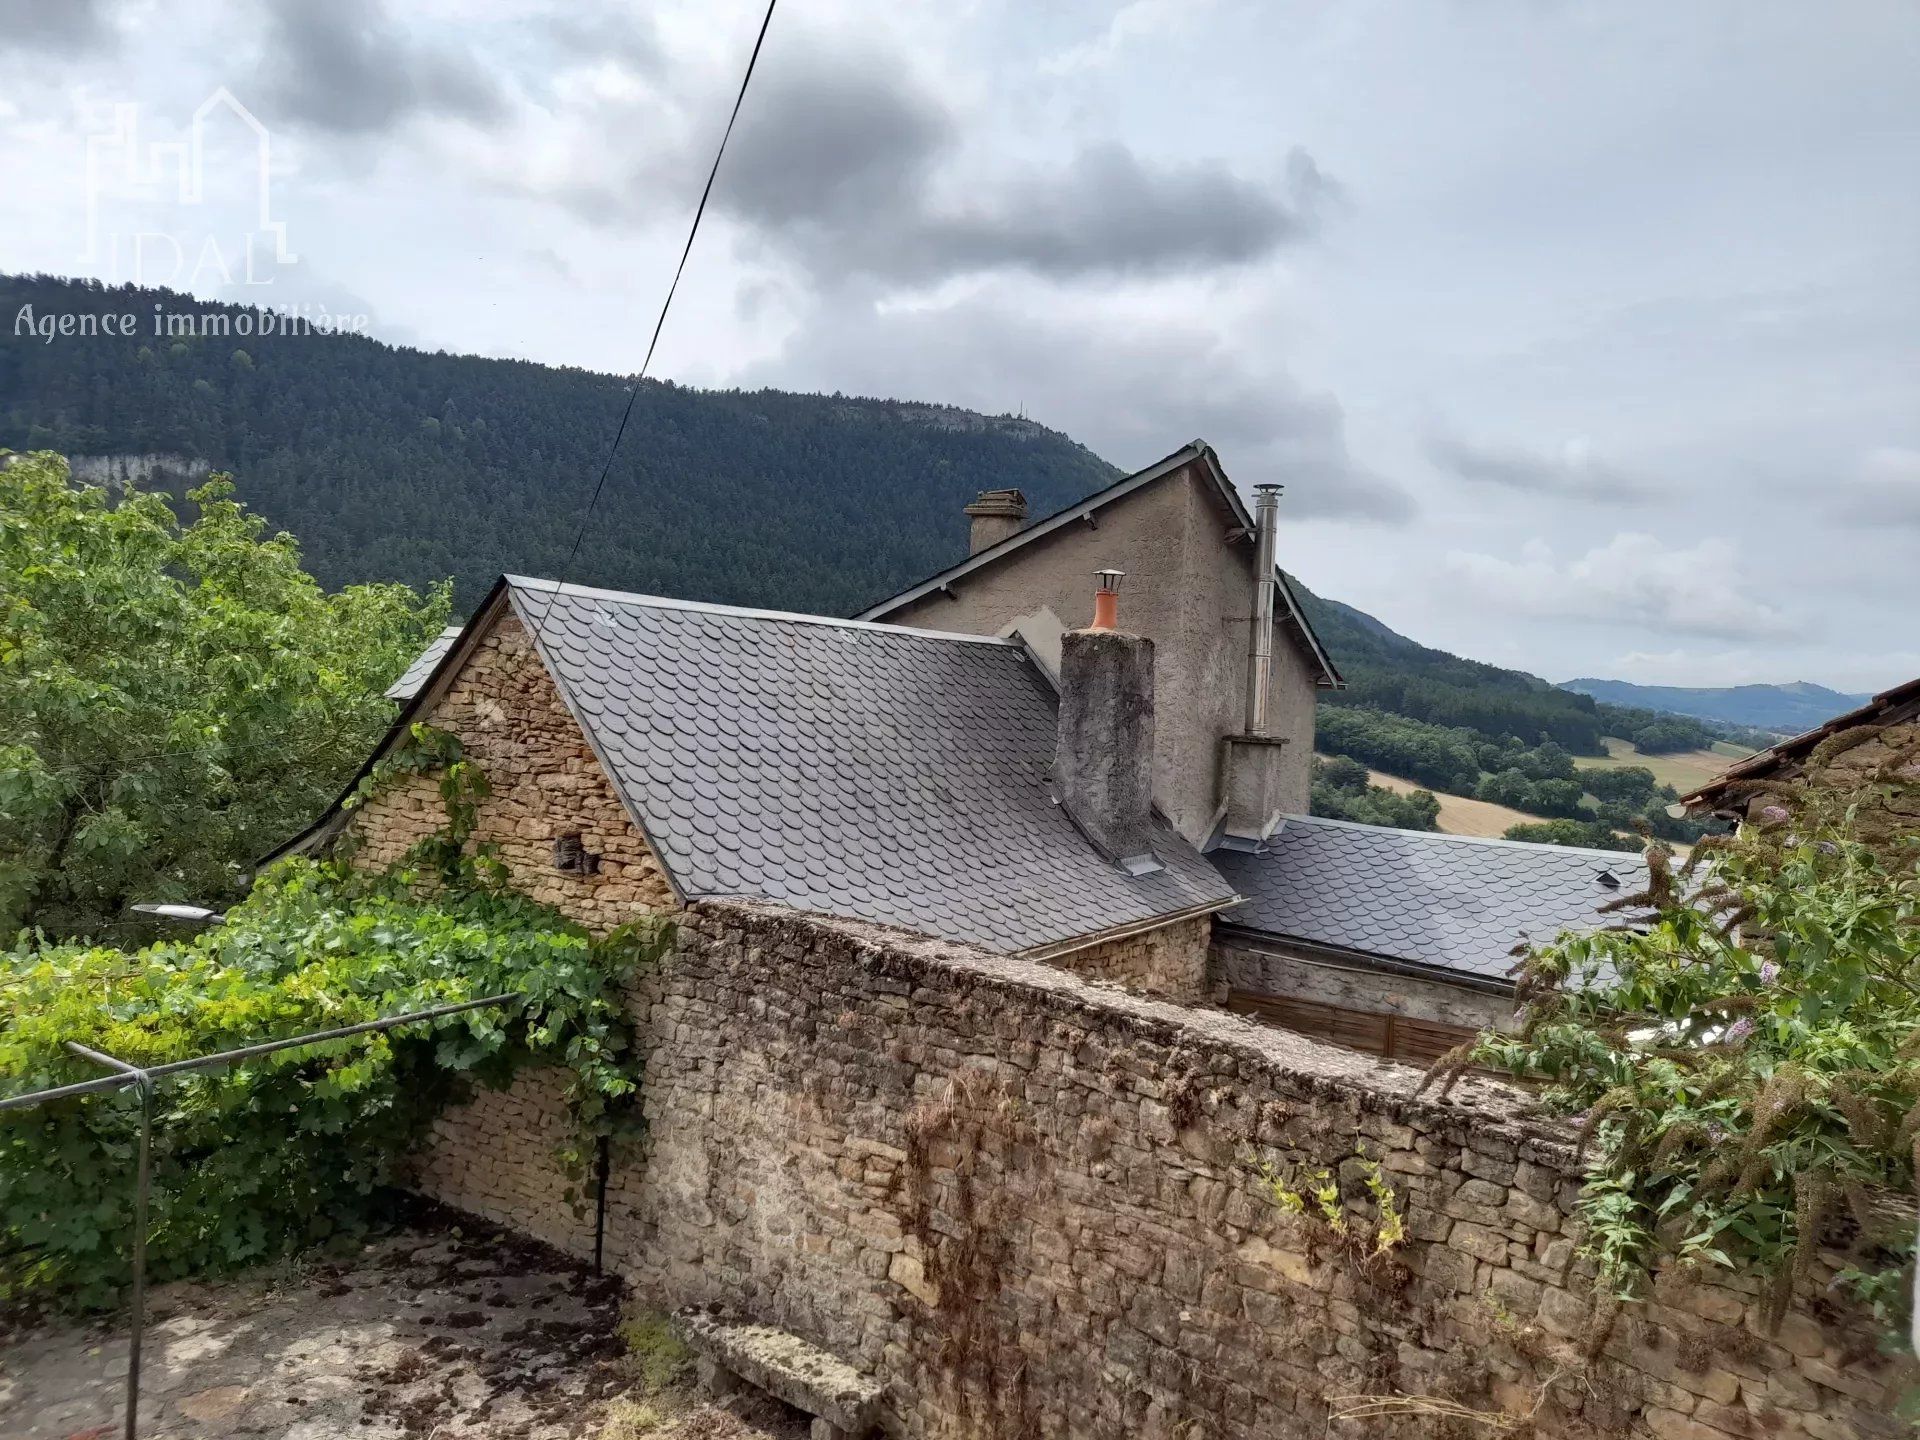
(448, 1333)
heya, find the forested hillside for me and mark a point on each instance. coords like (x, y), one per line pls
(1385, 671)
(396, 464)
(403, 465)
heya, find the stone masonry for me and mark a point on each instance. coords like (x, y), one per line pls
(1031, 1206)
(1879, 774)
(1169, 963)
(546, 783)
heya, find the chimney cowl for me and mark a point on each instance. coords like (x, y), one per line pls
(995, 514)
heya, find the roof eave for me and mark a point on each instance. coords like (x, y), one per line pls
(1374, 960)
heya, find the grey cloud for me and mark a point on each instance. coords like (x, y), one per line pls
(847, 165)
(845, 161)
(830, 142)
(627, 37)
(345, 66)
(59, 27)
(1128, 394)
(1574, 474)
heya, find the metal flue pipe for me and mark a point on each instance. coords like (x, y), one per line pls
(1266, 521)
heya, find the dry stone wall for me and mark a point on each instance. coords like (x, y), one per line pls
(1169, 962)
(1878, 772)
(1031, 1206)
(546, 783)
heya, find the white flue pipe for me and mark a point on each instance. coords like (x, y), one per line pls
(1266, 520)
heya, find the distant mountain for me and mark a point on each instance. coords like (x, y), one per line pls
(1787, 708)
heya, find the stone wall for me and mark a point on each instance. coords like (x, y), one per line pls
(1274, 968)
(545, 783)
(1170, 962)
(495, 1155)
(1031, 1206)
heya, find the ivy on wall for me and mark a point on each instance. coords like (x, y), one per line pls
(263, 1158)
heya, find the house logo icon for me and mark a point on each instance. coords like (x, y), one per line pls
(198, 209)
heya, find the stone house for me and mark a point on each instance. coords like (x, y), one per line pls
(979, 760)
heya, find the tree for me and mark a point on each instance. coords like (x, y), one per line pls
(1579, 833)
(175, 698)
(1665, 736)
(1510, 788)
(1341, 792)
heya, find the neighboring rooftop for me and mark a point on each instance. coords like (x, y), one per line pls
(1451, 903)
(1291, 617)
(887, 774)
(1889, 707)
(415, 675)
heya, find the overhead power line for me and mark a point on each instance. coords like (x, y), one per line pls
(633, 392)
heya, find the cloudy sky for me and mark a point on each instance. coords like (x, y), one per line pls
(1585, 337)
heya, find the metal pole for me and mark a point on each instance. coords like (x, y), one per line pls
(603, 1164)
(137, 1326)
(143, 1179)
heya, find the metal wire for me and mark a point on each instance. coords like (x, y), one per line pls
(145, 1080)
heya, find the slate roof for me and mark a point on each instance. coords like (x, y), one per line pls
(872, 771)
(1448, 902)
(415, 675)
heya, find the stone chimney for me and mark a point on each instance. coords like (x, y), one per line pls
(996, 514)
(1103, 749)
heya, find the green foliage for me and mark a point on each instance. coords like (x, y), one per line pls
(658, 1352)
(1668, 734)
(1408, 749)
(1583, 834)
(1341, 792)
(175, 698)
(262, 1158)
(1315, 1197)
(1748, 1063)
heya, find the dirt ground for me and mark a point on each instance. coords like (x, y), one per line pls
(445, 1330)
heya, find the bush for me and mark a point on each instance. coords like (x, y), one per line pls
(1745, 1065)
(257, 1160)
(1337, 797)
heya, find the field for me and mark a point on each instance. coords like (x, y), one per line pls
(1459, 815)
(1685, 770)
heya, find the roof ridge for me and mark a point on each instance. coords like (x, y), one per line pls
(1105, 495)
(1588, 850)
(560, 589)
